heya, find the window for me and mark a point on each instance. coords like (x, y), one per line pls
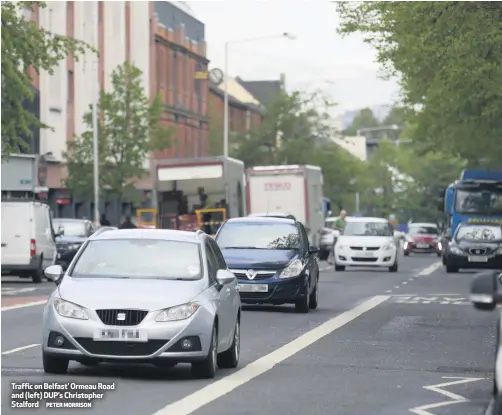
(479, 201)
(212, 263)
(175, 76)
(219, 256)
(259, 235)
(304, 236)
(69, 228)
(27, 13)
(368, 229)
(160, 259)
(70, 86)
(423, 230)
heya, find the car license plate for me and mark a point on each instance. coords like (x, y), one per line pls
(422, 245)
(478, 259)
(367, 254)
(116, 334)
(253, 288)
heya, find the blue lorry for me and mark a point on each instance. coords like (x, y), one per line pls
(475, 198)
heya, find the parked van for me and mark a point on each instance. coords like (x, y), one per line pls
(28, 240)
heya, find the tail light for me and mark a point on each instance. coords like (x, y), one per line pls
(33, 247)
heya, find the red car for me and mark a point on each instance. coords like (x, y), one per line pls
(422, 238)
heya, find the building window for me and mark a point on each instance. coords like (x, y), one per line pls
(27, 13)
(70, 86)
(175, 76)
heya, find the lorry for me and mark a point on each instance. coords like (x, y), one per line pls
(177, 186)
(294, 189)
(475, 198)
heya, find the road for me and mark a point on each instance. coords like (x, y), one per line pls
(380, 343)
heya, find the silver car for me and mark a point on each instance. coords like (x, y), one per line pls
(144, 295)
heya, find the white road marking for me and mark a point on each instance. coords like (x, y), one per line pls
(423, 410)
(430, 269)
(14, 307)
(19, 349)
(491, 408)
(396, 286)
(388, 291)
(14, 291)
(443, 300)
(206, 395)
(325, 269)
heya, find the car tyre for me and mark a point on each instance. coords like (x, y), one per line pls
(207, 368)
(339, 267)
(314, 297)
(451, 269)
(394, 267)
(55, 365)
(406, 253)
(303, 305)
(38, 275)
(229, 359)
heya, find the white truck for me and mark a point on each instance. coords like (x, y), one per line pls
(291, 189)
(178, 181)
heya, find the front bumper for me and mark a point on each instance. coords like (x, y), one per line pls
(348, 257)
(280, 291)
(462, 261)
(163, 340)
(416, 248)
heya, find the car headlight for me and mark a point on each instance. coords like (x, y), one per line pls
(409, 240)
(388, 247)
(455, 250)
(179, 312)
(292, 270)
(70, 310)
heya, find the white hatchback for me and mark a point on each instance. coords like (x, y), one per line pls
(366, 242)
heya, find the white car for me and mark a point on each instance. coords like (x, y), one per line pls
(366, 242)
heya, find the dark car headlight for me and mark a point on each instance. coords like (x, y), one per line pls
(455, 250)
(292, 270)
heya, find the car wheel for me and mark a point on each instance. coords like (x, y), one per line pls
(229, 359)
(303, 305)
(207, 368)
(450, 269)
(394, 267)
(38, 275)
(314, 297)
(339, 267)
(406, 253)
(55, 365)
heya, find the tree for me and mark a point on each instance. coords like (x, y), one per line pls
(26, 47)
(128, 131)
(448, 58)
(365, 119)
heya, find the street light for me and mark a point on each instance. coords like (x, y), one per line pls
(225, 83)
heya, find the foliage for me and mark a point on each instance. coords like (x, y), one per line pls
(448, 56)
(26, 47)
(365, 119)
(128, 131)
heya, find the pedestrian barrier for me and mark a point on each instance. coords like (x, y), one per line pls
(210, 220)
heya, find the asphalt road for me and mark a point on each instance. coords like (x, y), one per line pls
(380, 343)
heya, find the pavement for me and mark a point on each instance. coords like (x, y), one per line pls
(380, 343)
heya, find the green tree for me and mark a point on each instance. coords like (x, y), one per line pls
(25, 46)
(365, 119)
(448, 58)
(128, 131)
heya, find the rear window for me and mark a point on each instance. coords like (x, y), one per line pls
(423, 230)
(258, 235)
(139, 258)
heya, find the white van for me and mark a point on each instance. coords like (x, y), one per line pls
(28, 240)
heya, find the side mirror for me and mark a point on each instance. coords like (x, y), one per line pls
(54, 273)
(313, 250)
(484, 291)
(224, 277)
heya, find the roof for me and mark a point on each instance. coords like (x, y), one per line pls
(159, 234)
(261, 219)
(265, 91)
(235, 100)
(366, 219)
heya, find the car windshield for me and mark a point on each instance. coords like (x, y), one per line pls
(69, 228)
(423, 230)
(367, 229)
(484, 202)
(258, 235)
(139, 258)
(479, 233)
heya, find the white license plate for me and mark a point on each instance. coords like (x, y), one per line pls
(422, 245)
(478, 259)
(253, 288)
(366, 254)
(120, 334)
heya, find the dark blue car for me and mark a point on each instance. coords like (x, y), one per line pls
(71, 234)
(272, 260)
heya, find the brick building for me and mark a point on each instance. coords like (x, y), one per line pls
(180, 52)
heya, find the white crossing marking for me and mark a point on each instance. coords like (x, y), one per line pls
(14, 291)
(443, 300)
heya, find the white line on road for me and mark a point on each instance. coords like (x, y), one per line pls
(430, 269)
(14, 291)
(14, 307)
(491, 408)
(423, 410)
(325, 269)
(206, 395)
(19, 349)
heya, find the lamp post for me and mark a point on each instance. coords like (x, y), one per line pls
(225, 81)
(95, 144)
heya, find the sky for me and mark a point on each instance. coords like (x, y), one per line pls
(319, 58)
